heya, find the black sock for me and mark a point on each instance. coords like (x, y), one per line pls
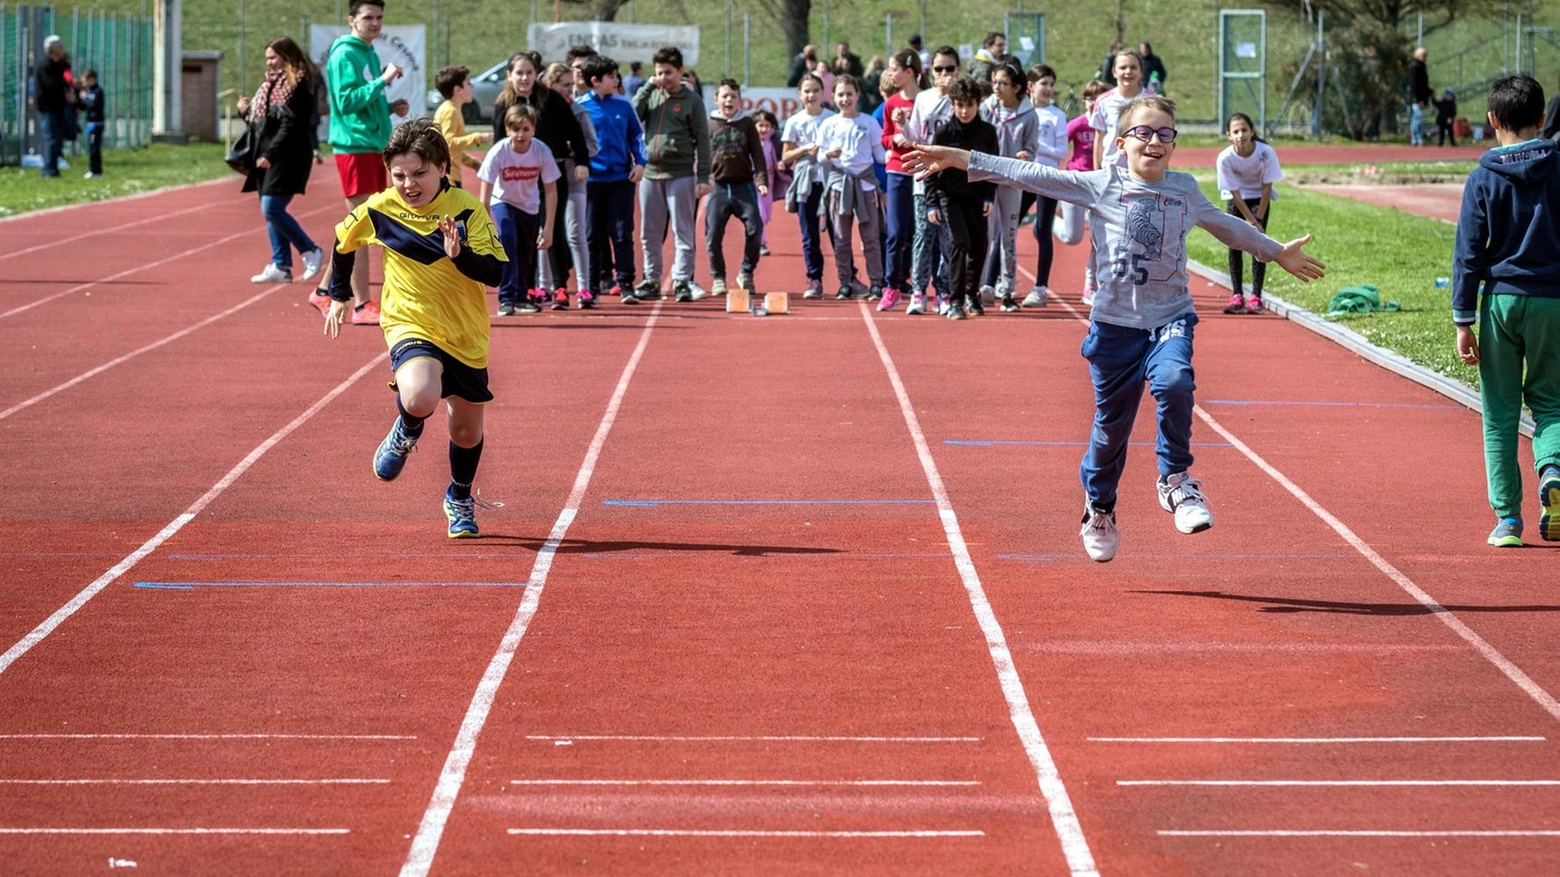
(359, 307)
(410, 424)
(463, 469)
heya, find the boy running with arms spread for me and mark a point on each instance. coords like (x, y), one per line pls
(441, 253)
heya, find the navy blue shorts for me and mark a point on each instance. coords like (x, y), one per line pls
(459, 379)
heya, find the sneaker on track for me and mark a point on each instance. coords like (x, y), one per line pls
(846, 293)
(1182, 495)
(390, 458)
(977, 309)
(955, 311)
(462, 515)
(313, 261)
(718, 286)
(763, 251)
(682, 291)
(527, 306)
(744, 281)
(890, 299)
(560, 300)
(506, 309)
(988, 294)
(1100, 536)
(698, 291)
(1507, 533)
(1253, 305)
(917, 303)
(1549, 502)
(648, 290)
(1037, 297)
(942, 304)
(320, 300)
(814, 289)
(367, 315)
(272, 273)
(1236, 305)
(587, 299)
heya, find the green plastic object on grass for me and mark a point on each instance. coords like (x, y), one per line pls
(1362, 299)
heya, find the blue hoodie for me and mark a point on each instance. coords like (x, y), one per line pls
(1509, 230)
(619, 135)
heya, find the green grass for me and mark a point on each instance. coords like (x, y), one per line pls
(1398, 253)
(125, 172)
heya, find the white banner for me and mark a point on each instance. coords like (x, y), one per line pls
(620, 42)
(402, 45)
(783, 102)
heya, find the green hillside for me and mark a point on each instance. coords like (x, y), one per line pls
(1184, 33)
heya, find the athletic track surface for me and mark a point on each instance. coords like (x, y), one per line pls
(800, 594)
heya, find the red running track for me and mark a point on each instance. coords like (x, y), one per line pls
(754, 624)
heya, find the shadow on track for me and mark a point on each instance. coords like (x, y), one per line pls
(1384, 610)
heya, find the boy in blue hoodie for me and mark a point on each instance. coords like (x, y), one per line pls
(614, 171)
(1507, 237)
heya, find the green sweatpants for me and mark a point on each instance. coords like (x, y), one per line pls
(1515, 330)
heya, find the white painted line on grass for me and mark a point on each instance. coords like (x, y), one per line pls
(208, 736)
(757, 738)
(50, 624)
(1338, 783)
(194, 782)
(98, 233)
(139, 268)
(680, 832)
(1511, 671)
(425, 845)
(1080, 861)
(1316, 740)
(303, 831)
(862, 783)
(1283, 832)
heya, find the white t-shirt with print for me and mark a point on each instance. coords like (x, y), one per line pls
(517, 177)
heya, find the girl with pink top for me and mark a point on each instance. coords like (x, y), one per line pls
(1082, 136)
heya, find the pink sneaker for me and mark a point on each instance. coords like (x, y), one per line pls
(587, 299)
(890, 299)
(1235, 305)
(367, 315)
(321, 301)
(1253, 305)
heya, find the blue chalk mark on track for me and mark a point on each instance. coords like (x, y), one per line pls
(190, 586)
(652, 503)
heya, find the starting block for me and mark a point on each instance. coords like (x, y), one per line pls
(777, 302)
(741, 301)
(737, 300)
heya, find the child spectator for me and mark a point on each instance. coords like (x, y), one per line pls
(1108, 107)
(560, 78)
(931, 111)
(1247, 170)
(960, 206)
(1051, 142)
(441, 252)
(901, 201)
(91, 103)
(1081, 134)
(614, 170)
(799, 149)
(849, 143)
(741, 178)
(1507, 236)
(769, 136)
(1142, 323)
(455, 84)
(677, 176)
(1446, 117)
(510, 175)
(1010, 113)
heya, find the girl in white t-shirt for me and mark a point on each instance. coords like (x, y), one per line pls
(799, 149)
(512, 175)
(1247, 170)
(1107, 110)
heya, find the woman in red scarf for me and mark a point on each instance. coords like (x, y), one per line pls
(283, 155)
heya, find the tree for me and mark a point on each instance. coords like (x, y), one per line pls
(1393, 14)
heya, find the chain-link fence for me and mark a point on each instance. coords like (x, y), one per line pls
(118, 46)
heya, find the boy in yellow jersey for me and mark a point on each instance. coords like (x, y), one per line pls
(441, 252)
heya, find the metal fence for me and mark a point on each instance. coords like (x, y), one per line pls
(117, 45)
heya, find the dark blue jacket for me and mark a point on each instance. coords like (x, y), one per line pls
(1509, 230)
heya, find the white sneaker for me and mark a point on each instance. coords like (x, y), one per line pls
(697, 290)
(313, 261)
(1037, 297)
(718, 286)
(1182, 495)
(917, 303)
(988, 295)
(272, 274)
(1100, 536)
(942, 305)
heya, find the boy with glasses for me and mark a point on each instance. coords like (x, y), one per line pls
(1142, 322)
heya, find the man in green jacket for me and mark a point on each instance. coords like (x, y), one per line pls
(677, 137)
(359, 130)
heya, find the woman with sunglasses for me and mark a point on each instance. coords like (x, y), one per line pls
(1143, 321)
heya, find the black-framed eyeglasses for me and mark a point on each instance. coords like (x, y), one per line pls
(1145, 133)
(938, 68)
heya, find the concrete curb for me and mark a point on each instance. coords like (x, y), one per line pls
(1359, 345)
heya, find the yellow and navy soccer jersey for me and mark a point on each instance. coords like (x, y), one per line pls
(425, 295)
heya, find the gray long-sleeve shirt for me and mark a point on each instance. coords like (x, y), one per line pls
(1139, 232)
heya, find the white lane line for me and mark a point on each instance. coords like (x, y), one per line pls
(194, 782)
(208, 736)
(50, 624)
(304, 831)
(1338, 783)
(425, 845)
(759, 738)
(120, 360)
(1316, 740)
(95, 233)
(677, 832)
(1080, 861)
(1281, 832)
(1511, 671)
(863, 783)
(139, 268)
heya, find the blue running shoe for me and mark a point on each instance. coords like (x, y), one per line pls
(462, 514)
(1549, 500)
(390, 459)
(1507, 533)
